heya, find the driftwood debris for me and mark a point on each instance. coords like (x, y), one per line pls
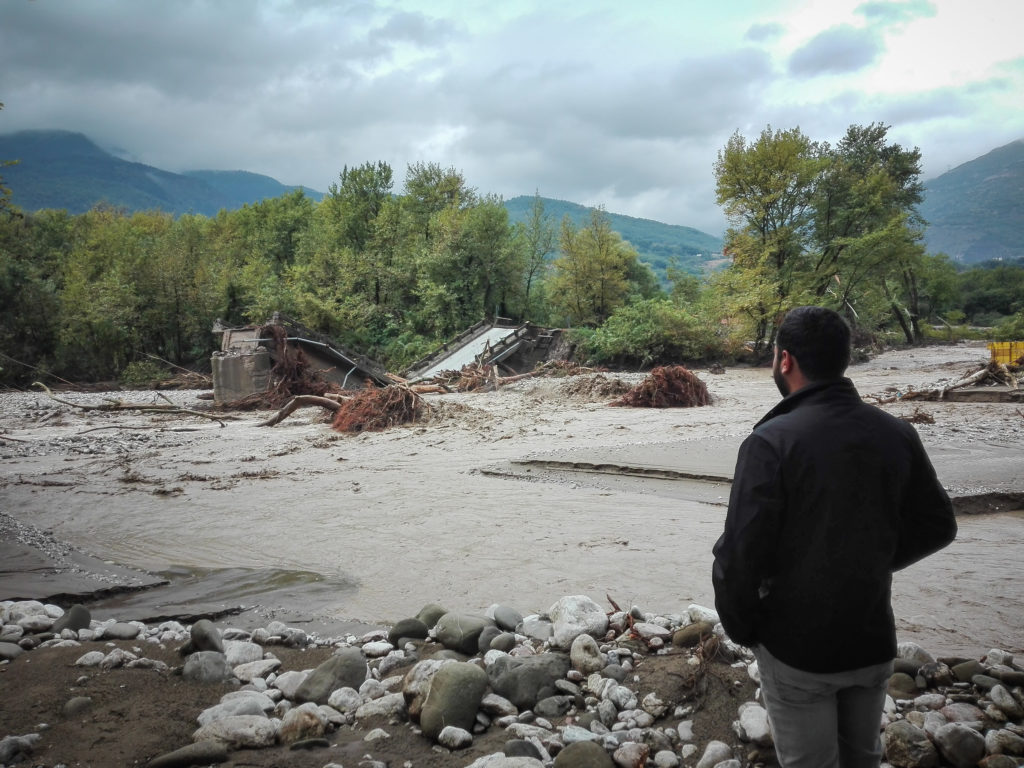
(992, 373)
(670, 386)
(372, 410)
(121, 405)
(477, 377)
(332, 403)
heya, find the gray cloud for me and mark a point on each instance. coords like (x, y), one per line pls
(837, 50)
(589, 106)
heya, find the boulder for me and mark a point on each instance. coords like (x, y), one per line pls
(345, 669)
(454, 697)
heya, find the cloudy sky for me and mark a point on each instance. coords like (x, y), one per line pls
(620, 104)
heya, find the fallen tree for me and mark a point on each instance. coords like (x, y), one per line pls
(671, 386)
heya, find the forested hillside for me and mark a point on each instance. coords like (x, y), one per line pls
(63, 170)
(976, 211)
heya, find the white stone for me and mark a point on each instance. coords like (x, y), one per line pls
(386, 706)
(372, 689)
(666, 759)
(345, 699)
(264, 701)
(377, 649)
(573, 616)
(288, 682)
(255, 669)
(238, 652)
(36, 622)
(377, 734)
(685, 729)
(585, 655)
(497, 706)
(241, 731)
(702, 613)
(232, 707)
(754, 725)
(454, 738)
(91, 659)
(716, 752)
(913, 652)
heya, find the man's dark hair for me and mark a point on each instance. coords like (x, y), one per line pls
(819, 339)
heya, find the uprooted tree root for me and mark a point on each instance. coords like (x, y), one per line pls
(291, 376)
(671, 386)
(372, 410)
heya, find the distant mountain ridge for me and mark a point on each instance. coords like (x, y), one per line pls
(66, 170)
(975, 211)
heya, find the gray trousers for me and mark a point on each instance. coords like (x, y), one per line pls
(824, 720)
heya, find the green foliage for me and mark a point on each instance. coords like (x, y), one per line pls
(1010, 329)
(142, 374)
(653, 332)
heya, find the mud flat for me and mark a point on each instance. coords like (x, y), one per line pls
(521, 496)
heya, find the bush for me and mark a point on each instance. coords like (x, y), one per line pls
(1010, 329)
(653, 331)
(142, 374)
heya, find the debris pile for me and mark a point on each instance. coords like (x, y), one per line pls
(670, 386)
(372, 410)
(290, 376)
(991, 374)
(480, 377)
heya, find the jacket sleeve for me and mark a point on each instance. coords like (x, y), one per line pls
(743, 553)
(927, 522)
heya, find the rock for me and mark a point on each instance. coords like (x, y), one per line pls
(537, 628)
(413, 629)
(666, 758)
(1004, 742)
(902, 686)
(346, 668)
(76, 618)
(521, 748)
(936, 674)
(454, 738)
(498, 760)
(265, 703)
(345, 699)
(583, 754)
(525, 680)
(967, 670)
(507, 618)
(754, 725)
(201, 753)
(206, 667)
(1003, 699)
(691, 634)
(907, 746)
(11, 651)
(962, 712)
(206, 637)
(430, 613)
(76, 706)
(960, 745)
(11, 633)
(16, 747)
(487, 636)
(714, 753)
(90, 659)
(390, 705)
(460, 632)
(553, 706)
(256, 669)
(573, 616)
(914, 652)
(238, 652)
(240, 732)
(120, 630)
(506, 641)
(585, 655)
(303, 722)
(453, 698)
(19, 609)
(377, 649)
(998, 761)
(997, 657)
(631, 755)
(416, 684)
(232, 708)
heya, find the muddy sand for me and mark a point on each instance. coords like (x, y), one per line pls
(519, 496)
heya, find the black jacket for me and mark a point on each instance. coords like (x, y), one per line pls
(830, 496)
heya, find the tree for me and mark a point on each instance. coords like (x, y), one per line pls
(590, 276)
(536, 240)
(766, 188)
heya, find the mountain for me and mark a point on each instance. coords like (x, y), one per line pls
(66, 170)
(975, 212)
(656, 243)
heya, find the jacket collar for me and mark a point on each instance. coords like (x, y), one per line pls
(834, 389)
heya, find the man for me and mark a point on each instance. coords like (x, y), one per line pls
(830, 496)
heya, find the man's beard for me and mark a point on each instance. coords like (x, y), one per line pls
(780, 382)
